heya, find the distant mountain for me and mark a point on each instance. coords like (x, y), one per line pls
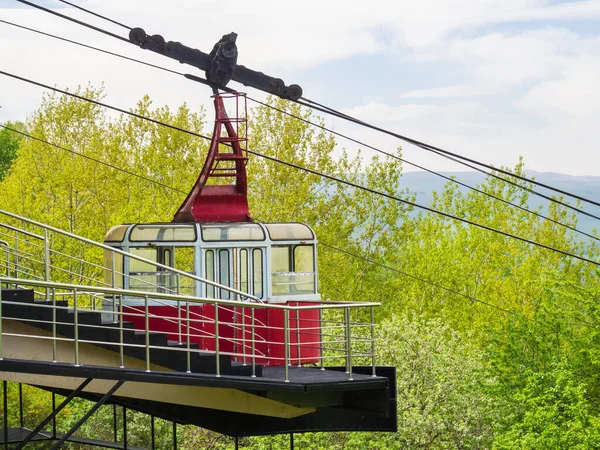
(424, 184)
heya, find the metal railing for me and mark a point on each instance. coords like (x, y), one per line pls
(335, 339)
(63, 267)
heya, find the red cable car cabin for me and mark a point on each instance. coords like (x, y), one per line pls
(212, 236)
(275, 263)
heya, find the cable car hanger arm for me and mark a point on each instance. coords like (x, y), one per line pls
(220, 65)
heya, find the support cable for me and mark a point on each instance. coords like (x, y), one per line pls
(94, 14)
(320, 107)
(437, 150)
(453, 180)
(354, 255)
(97, 161)
(71, 19)
(314, 172)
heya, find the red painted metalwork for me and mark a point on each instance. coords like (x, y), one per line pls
(226, 160)
(235, 331)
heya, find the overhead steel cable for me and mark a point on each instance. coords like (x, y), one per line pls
(91, 47)
(422, 280)
(320, 107)
(453, 180)
(440, 151)
(97, 161)
(71, 19)
(354, 255)
(94, 14)
(314, 172)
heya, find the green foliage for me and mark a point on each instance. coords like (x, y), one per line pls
(553, 413)
(523, 375)
(9, 146)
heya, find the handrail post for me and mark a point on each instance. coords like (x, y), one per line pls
(114, 285)
(298, 335)
(218, 362)
(373, 341)
(16, 254)
(244, 336)
(253, 335)
(1, 343)
(147, 321)
(46, 259)
(188, 343)
(76, 325)
(348, 343)
(121, 340)
(286, 340)
(53, 324)
(178, 281)
(321, 346)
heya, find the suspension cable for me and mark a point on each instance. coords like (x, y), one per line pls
(97, 161)
(71, 19)
(95, 14)
(320, 107)
(450, 179)
(314, 172)
(437, 150)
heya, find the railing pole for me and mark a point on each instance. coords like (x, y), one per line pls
(114, 284)
(1, 344)
(53, 324)
(286, 339)
(298, 335)
(76, 325)
(244, 336)
(179, 309)
(348, 343)
(321, 346)
(121, 349)
(46, 259)
(16, 254)
(218, 362)
(147, 321)
(188, 343)
(373, 341)
(253, 335)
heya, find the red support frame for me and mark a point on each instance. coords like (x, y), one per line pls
(226, 161)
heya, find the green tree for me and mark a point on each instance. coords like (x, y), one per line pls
(9, 146)
(553, 413)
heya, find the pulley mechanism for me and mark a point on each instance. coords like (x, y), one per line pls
(220, 65)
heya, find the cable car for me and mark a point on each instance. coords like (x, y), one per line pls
(213, 237)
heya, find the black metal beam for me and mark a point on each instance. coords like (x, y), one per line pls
(53, 414)
(197, 379)
(5, 411)
(87, 415)
(124, 428)
(152, 431)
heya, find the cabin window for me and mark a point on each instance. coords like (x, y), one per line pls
(169, 233)
(244, 270)
(224, 275)
(116, 234)
(293, 270)
(143, 276)
(209, 267)
(289, 232)
(108, 272)
(240, 232)
(257, 273)
(183, 260)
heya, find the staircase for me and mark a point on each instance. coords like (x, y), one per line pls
(92, 328)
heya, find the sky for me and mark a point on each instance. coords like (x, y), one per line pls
(492, 80)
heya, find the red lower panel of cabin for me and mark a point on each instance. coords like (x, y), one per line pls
(235, 336)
